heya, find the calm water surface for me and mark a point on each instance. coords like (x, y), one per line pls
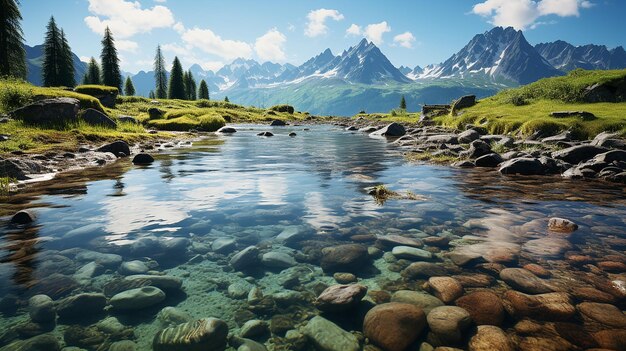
(252, 189)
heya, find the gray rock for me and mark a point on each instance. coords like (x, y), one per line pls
(202, 334)
(368, 129)
(81, 305)
(327, 336)
(103, 259)
(420, 299)
(468, 136)
(278, 123)
(44, 342)
(579, 153)
(23, 217)
(127, 119)
(116, 148)
(20, 169)
(443, 139)
(525, 281)
(275, 259)
(155, 113)
(243, 344)
(611, 156)
(136, 299)
(224, 245)
(254, 328)
(477, 148)
(48, 111)
(110, 325)
(245, 258)
(85, 273)
(143, 159)
(609, 140)
(464, 102)
(265, 134)
(239, 289)
(96, 118)
(522, 165)
(391, 130)
(163, 282)
(411, 253)
(41, 309)
(133, 267)
(291, 235)
(124, 345)
(172, 316)
(226, 130)
(490, 160)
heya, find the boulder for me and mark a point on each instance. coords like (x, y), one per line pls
(484, 306)
(143, 159)
(127, 119)
(136, 299)
(612, 339)
(490, 338)
(523, 166)
(245, 259)
(81, 305)
(23, 217)
(94, 117)
(598, 92)
(424, 301)
(611, 156)
(468, 136)
(265, 134)
(278, 123)
(155, 113)
(578, 153)
(340, 297)
(227, 130)
(274, 259)
(202, 334)
(116, 148)
(490, 160)
(523, 280)
(48, 111)
(41, 309)
(394, 326)
(418, 270)
(349, 258)
(464, 102)
(550, 306)
(327, 336)
(449, 323)
(391, 130)
(561, 225)
(477, 148)
(603, 313)
(411, 253)
(609, 140)
(445, 289)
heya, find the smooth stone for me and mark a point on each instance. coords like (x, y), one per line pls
(171, 316)
(537, 270)
(245, 259)
(291, 235)
(561, 225)
(524, 281)
(254, 328)
(612, 339)
(592, 295)
(135, 299)
(550, 306)
(420, 299)
(87, 272)
(143, 159)
(547, 247)
(200, 335)
(340, 297)
(449, 323)
(345, 258)
(226, 130)
(603, 313)
(275, 259)
(23, 217)
(423, 270)
(44, 342)
(394, 326)
(123, 345)
(224, 245)
(446, 289)
(475, 280)
(163, 282)
(398, 240)
(327, 336)
(103, 259)
(81, 305)
(344, 278)
(484, 306)
(41, 309)
(411, 253)
(110, 325)
(133, 267)
(490, 338)
(243, 344)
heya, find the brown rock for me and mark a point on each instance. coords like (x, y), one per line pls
(549, 247)
(523, 280)
(561, 225)
(394, 326)
(553, 343)
(491, 268)
(575, 334)
(551, 306)
(340, 297)
(439, 241)
(423, 270)
(445, 289)
(345, 278)
(527, 327)
(593, 295)
(613, 339)
(484, 307)
(379, 296)
(537, 270)
(579, 260)
(490, 338)
(345, 258)
(476, 280)
(363, 238)
(603, 313)
(448, 323)
(612, 266)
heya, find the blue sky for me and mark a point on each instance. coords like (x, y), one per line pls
(410, 32)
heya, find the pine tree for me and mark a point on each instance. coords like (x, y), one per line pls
(160, 75)
(93, 73)
(226, 99)
(177, 84)
(129, 88)
(12, 53)
(190, 86)
(66, 63)
(203, 91)
(111, 75)
(52, 55)
(151, 95)
(403, 103)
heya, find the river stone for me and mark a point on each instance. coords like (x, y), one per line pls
(548, 247)
(490, 338)
(200, 335)
(226, 130)
(224, 245)
(344, 278)
(578, 153)
(420, 299)
(484, 307)
(103, 259)
(423, 270)
(143, 159)
(48, 111)
(524, 281)
(81, 305)
(592, 295)
(345, 258)
(110, 325)
(327, 336)
(254, 328)
(562, 225)
(94, 117)
(603, 313)
(245, 259)
(163, 282)
(537, 270)
(446, 289)
(475, 280)
(172, 316)
(394, 326)
(23, 217)
(490, 160)
(44, 342)
(397, 240)
(116, 148)
(133, 267)
(139, 298)
(275, 259)
(550, 306)
(411, 253)
(523, 166)
(41, 309)
(449, 323)
(391, 130)
(340, 297)
(123, 345)
(243, 344)
(612, 339)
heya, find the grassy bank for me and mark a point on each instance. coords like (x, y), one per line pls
(177, 115)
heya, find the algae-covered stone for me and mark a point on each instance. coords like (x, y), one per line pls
(200, 335)
(139, 298)
(41, 309)
(81, 305)
(327, 336)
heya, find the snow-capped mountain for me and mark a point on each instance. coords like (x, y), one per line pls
(499, 54)
(566, 57)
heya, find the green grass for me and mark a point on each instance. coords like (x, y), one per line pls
(96, 90)
(427, 156)
(16, 93)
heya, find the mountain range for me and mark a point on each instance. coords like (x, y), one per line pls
(362, 78)
(34, 62)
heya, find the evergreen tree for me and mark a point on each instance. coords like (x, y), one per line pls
(177, 83)
(66, 63)
(12, 53)
(190, 86)
(111, 75)
(403, 103)
(151, 95)
(52, 55)
(226, 99)
(93, 73)
(160, 75)
(203, 91)
(129, 88)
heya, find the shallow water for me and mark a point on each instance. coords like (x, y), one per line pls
(253, 188)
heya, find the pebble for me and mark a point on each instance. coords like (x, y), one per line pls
(136, 299)
(445, 289)
(411, 253)
(327, 336)
(344, 278)
(340, 297)
(394, 326)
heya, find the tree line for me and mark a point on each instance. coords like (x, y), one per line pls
(58, 63)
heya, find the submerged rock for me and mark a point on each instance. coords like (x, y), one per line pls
(82, 305)
(424, 301)
(224, 245)
(275, 259)
(23, 217)
(490, 338)
(448, 323)
(133, 267)
(136, 299)
(163, 282)
(550, 306)
(562, 225)
(41, 309)
(44, 342)
(394, 326)
(345, 258)
(171, 316)
(445, 288)
(202, 334)
(327, 336)
(418, 270)
(245, 259)
(226, 130)
(411, 253)
(603, 313)
(143, 159)
(485, 307)
(340, 297)
(523, 280)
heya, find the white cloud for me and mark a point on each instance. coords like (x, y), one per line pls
(209, 42)
(85, 58)
(179, 28)
(188, 56)
(405, 39)
(374, 32)
(211, 65)
(291, 27)
(354, 30)
(126, 18)
(523, 14)
(126, 45)
(316, 24)
(270, 46)
(161, 1)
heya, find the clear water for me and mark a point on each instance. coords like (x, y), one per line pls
(252, 188)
